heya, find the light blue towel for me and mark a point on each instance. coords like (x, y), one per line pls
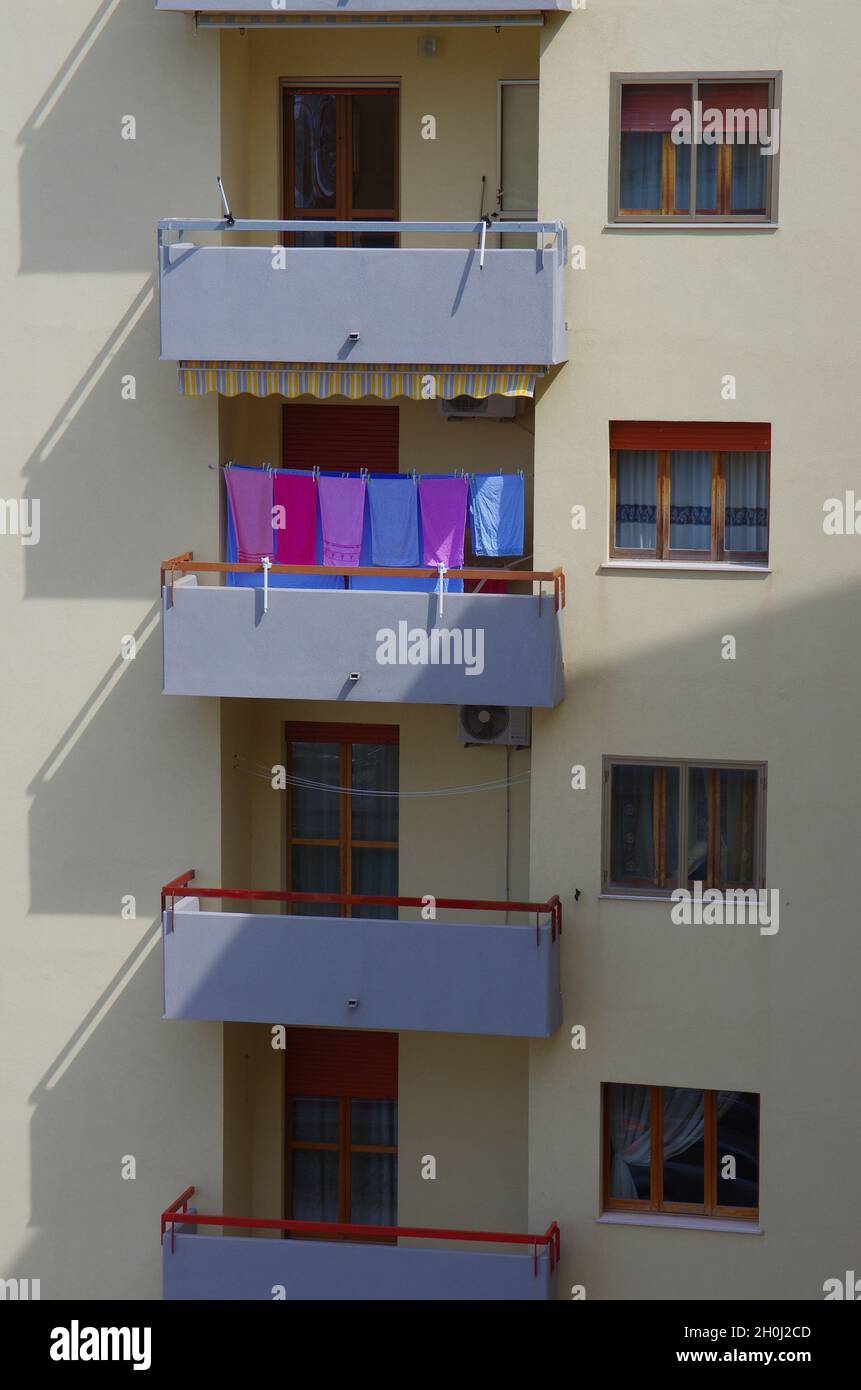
(394, 514)
(389, 583)
(496, 511)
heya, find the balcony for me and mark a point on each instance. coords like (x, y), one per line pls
(223, 1266)
(361, 644)
(491, 977)
(357, 306)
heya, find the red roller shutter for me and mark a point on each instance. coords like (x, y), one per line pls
(336, 1062)
(342, 437)
(650, 106)
(732, 96)
(682, 434)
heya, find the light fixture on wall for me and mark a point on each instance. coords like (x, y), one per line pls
(428, 46)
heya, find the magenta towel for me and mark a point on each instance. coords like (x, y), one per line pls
(250, 493)
(443, 507)
(296, 525)
(342, 516)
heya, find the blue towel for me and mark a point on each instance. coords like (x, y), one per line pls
(496, 509)
(394, 516)
(390, 583)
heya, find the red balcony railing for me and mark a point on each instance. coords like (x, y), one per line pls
(178, 1212)
(552, 908)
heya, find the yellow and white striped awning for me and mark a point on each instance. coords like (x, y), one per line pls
(385, 381)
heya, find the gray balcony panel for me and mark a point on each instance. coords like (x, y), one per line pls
(409, 305)
(452, 977)
(218, 641)
(242, 1267)
(340, 7)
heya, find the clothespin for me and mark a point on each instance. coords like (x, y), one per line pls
(441, 570)
(267, 565)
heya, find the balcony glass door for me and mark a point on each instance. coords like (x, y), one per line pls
(341, 160)
(342, 815)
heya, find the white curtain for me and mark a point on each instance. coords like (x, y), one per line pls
(690, 500)
(630, 1136)
(747, 502)
(637, 498)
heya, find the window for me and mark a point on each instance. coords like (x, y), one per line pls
(682, 1151)
(690, 491)
(341, 159)
(694, 147)
(342, 815)
(341, 1152)
(671, 824)
(517, 149)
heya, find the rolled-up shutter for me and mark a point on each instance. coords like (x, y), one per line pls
(341, 437)
(733, 96)
(689, 434)
(339, 1062)
(650, 105)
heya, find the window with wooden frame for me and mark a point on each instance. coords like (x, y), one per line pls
(694, 147)
(681, 1151)
(341, 1126)
(341, 159)
(342, 814)
(670, 824)
(690, 491)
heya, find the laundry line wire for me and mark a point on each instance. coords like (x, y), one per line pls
(308, 784)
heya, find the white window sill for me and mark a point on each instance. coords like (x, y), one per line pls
(634, 226)
(656, 566)
(684, 1223)
(635, 897)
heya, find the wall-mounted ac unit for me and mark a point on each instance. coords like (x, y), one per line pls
(502, 724)
(478, 408)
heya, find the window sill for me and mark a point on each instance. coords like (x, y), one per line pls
(635, 897)
(704, 567)
(684, 1223)
(669, 226)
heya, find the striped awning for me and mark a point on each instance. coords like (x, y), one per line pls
(385, 381)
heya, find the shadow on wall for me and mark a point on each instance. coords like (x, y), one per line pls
(89, 198)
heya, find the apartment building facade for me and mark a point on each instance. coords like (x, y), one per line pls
(346, 876)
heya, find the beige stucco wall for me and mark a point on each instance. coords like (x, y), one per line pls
(658, 319)
(109, 788)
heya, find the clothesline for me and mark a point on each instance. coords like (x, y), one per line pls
(308, 784)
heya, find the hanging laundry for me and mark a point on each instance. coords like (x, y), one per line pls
(342, 511)
(443, 515)
(496, 511)
(393, 506)
(250, 494)
(296, 495)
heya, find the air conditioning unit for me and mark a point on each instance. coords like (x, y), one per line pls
(478, 408)
(501, 724)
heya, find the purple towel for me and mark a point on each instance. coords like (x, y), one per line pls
(342, 515)
(250, 493)
(443, 508)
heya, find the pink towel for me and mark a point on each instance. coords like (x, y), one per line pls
(250, 493)
(296, 526)
(443, 506)
(342, 515)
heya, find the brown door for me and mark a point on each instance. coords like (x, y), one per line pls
(341, 160)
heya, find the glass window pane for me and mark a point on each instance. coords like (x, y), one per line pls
(374, 769)
(315, 1119)
(316, 869)
(375, 871)
(315, 239)
(314, 1192)
(374, 136)
(637, 499)
(519, 140)
(684, 1145)
(374, 1189)
(746, 522)
(690, 500)
(374, 1122)
(738, 1139)
(707, 167)
(640, 169)
(314, 149)
(749, 178)
(316, 813)
(698, 825)
(633, 825)
(629, 1117)
(683, 178)
(738, 796)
